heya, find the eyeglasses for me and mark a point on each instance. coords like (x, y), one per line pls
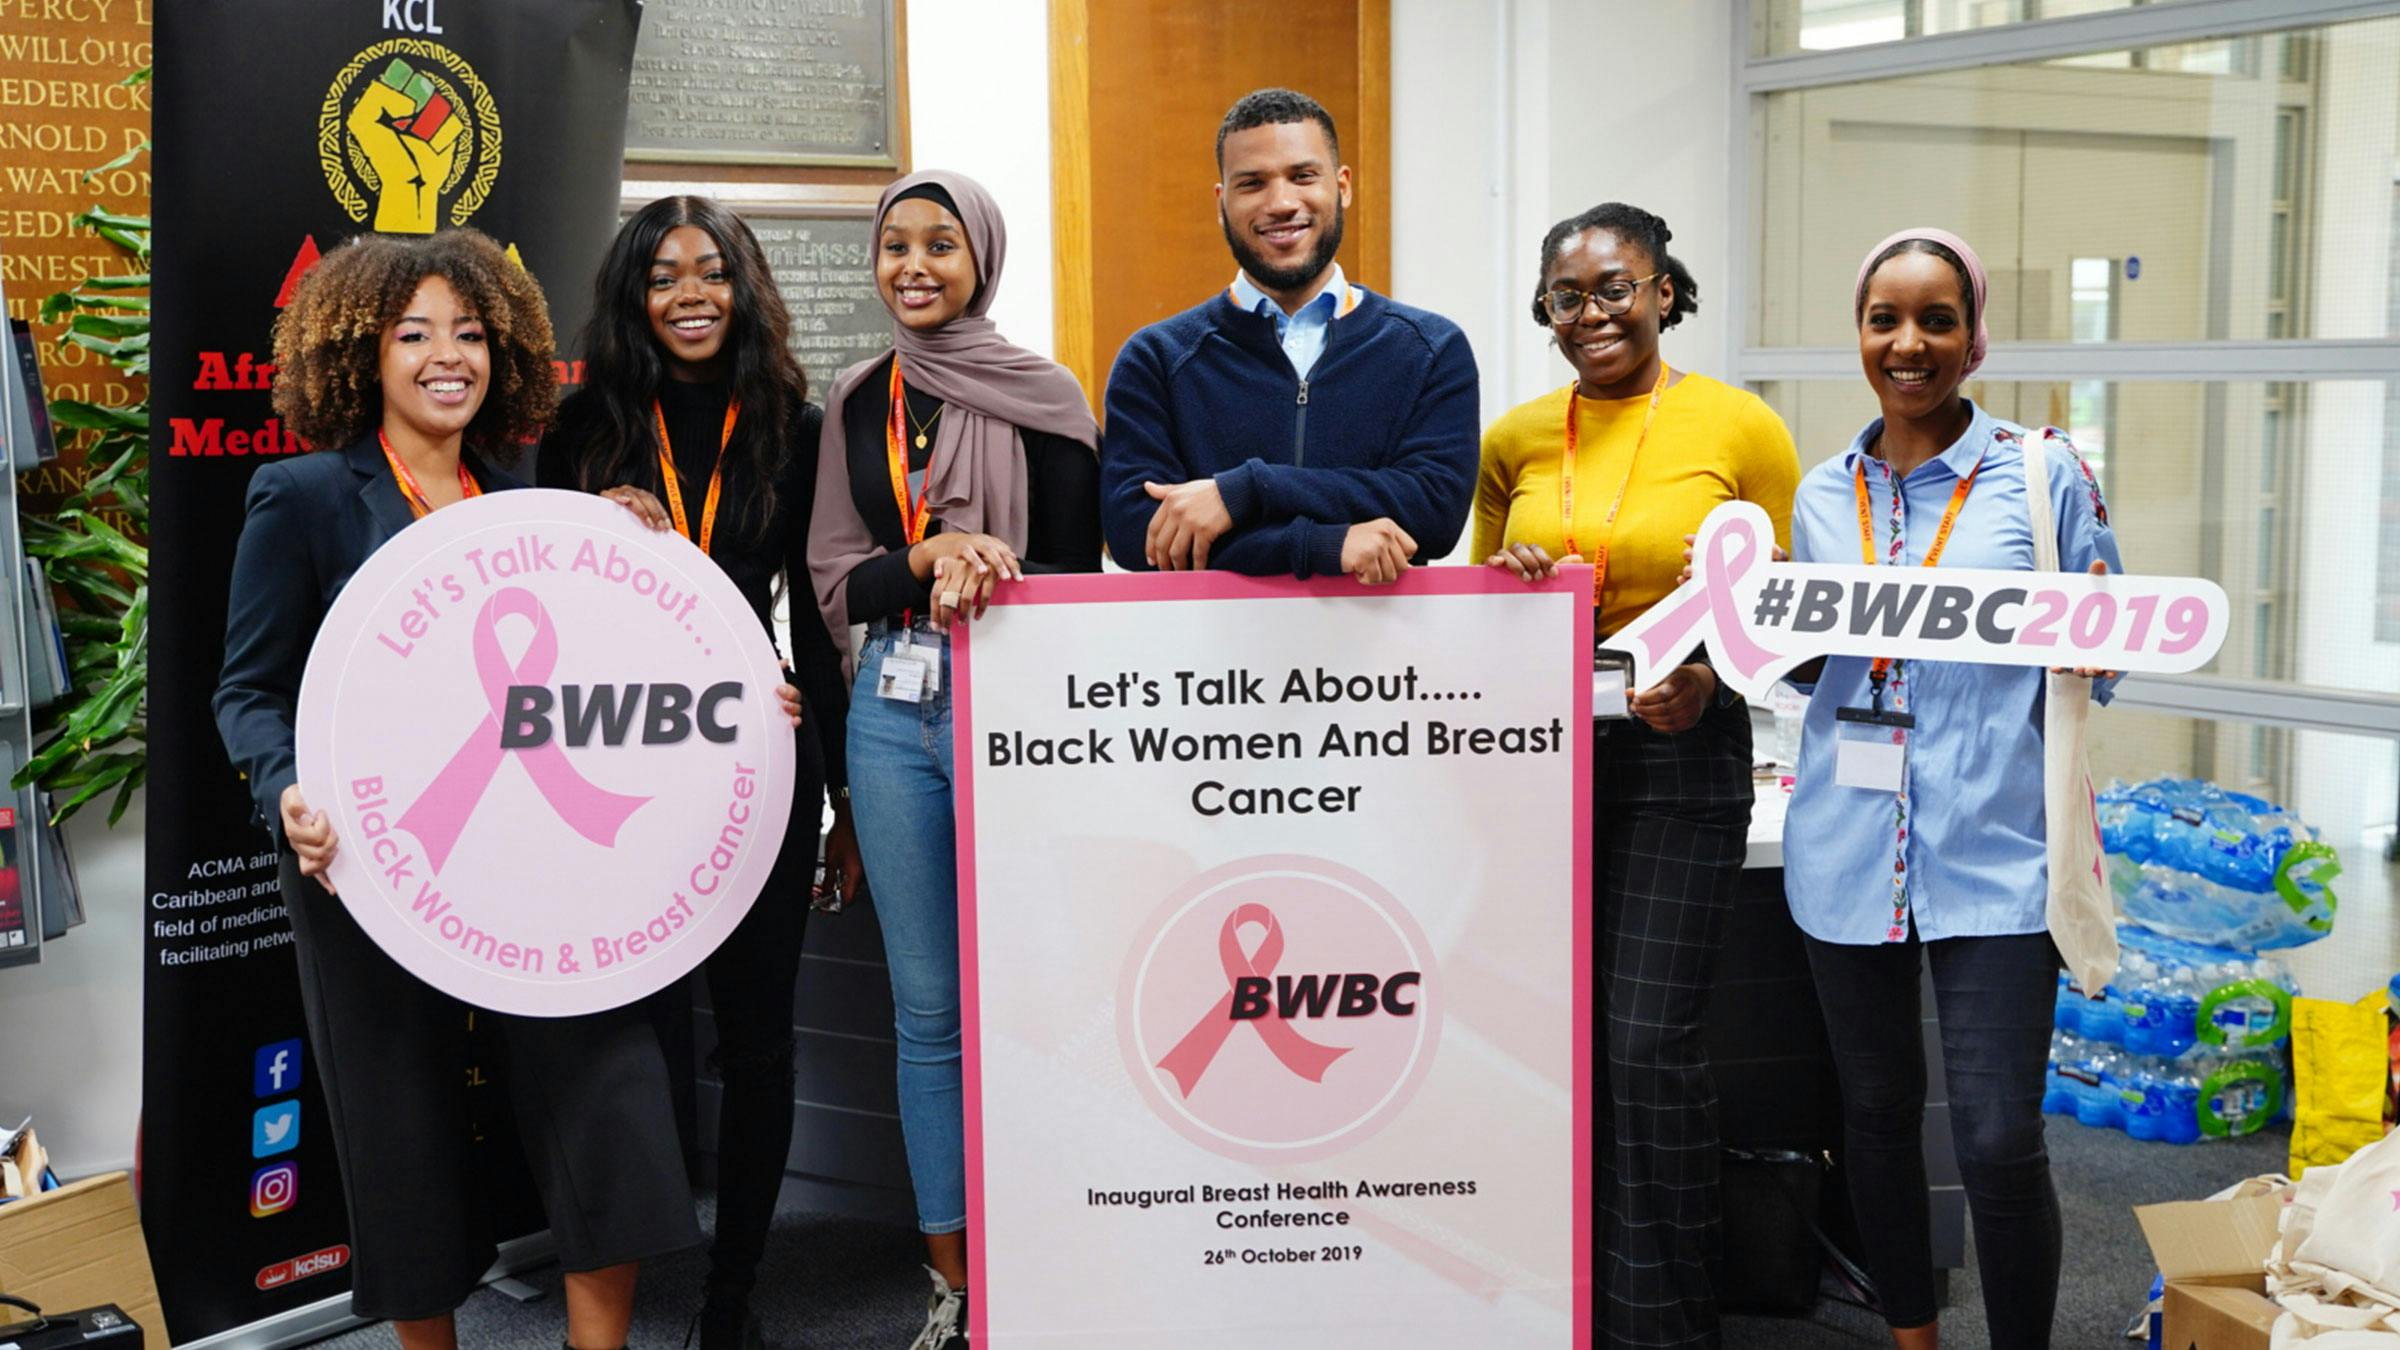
(1566, 303)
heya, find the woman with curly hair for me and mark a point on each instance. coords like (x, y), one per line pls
(410, 364)
(1653, 450)
(691, 393)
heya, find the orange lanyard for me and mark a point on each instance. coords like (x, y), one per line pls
(1566, 483)
(1933, 555)
(716, 477)
(418, 506)
(917, 514)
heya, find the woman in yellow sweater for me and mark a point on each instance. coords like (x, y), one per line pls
(1617, 468)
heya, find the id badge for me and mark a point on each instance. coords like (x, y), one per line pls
(1870, 748)
(927, 644)
(1612, 679)
(901, 677)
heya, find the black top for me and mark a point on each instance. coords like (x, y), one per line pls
(1062, 499)
(753, 560)
(309, 523)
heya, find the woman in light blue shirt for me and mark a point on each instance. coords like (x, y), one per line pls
(1944, 861)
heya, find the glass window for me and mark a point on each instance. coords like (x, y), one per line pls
(2235, 202)
(2181, 459)
(1779, 26)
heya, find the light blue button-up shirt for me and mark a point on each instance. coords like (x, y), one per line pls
(1302, 334)
(1977, 860)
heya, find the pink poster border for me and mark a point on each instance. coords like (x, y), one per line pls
(1087, 588)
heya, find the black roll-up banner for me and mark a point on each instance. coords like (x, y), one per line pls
(506, 117)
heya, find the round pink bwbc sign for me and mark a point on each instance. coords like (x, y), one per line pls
(1279, 1009)
(549, 743)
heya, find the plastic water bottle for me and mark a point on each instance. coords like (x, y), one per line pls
(2203, 1094)
(2170, 996)
(2192, 860)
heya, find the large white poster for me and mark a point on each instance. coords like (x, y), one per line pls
(1277, 934)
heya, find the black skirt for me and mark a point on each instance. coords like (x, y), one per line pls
(591, 1103)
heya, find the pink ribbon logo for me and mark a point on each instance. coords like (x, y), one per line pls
(441, 812)
(1666, 632)
(1198, 1049)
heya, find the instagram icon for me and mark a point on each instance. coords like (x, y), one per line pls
(272, 1189)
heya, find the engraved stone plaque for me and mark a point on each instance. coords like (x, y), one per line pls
(766, 82)
(825, 267)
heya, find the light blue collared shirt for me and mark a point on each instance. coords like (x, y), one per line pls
(1977, 858)
(1302, 334)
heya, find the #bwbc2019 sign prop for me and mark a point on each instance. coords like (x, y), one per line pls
(1276, 938)
(548, 740)
(1762, 618)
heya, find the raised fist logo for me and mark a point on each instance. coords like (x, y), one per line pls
(409, 134)
(404, 125)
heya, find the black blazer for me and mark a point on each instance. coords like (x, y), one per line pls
(310, 522)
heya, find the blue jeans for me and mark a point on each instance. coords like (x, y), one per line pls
(900, 803)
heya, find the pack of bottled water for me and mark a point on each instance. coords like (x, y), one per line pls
(2191, 860)
(2170, 995)
(2201, 1094)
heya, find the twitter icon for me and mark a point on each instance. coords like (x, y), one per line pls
(275, 1129)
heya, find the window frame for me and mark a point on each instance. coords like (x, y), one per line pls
(2299, 361)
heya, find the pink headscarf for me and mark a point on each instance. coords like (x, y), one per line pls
(1975, 279)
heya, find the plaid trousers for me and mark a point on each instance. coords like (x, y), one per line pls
(1670, 821)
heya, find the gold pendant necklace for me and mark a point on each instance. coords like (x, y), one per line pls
(925, 427)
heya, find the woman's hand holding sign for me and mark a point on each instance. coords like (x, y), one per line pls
(1675, 703)
(310, 835)
(1775, 554)
(1530, 563)
(2099, 569)
(963, 567)
(645, 507)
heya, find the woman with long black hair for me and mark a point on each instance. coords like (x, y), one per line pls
(691, 395)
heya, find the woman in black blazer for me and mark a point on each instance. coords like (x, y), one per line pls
(422, 358)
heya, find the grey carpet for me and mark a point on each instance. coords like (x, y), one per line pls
(837, 1283)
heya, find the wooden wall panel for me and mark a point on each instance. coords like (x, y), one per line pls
(1137, 88)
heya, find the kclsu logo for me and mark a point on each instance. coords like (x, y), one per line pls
(669, 714)
(1360, 995)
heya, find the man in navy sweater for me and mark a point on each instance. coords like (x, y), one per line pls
(1295, 424)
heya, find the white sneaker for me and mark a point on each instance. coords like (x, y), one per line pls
(945, 1317)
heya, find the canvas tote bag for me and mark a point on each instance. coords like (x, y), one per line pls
(2082, 914)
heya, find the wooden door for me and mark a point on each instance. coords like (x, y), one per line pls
(1137, 88)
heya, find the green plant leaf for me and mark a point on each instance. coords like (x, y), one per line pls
(96, 736)
(116, 772)
(93, 417)
(119, 162)
(101, 325)
(99, 216)
(124, 238)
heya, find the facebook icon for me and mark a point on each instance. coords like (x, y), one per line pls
(276, 1070)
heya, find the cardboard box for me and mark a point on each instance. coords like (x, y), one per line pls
(2213, 1254)
(80, 1246)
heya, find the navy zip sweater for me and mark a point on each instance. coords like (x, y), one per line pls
(1384, 425)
